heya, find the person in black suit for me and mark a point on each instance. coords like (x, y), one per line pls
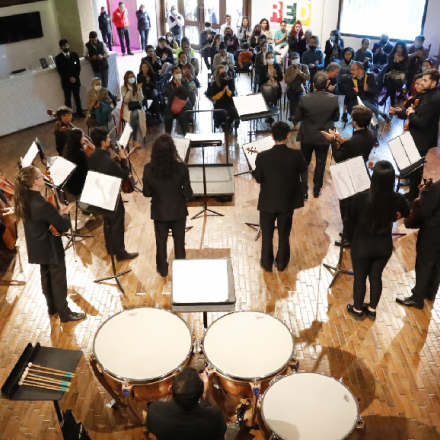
(101, 162)
(278, 172)
(374, 211)
(105, 26)
(43, 247)
(318, 112)
(423, 124)
(360, 144)
(69, 68)
(184, 417)
(166, 181)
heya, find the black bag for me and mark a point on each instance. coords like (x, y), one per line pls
(134, 105)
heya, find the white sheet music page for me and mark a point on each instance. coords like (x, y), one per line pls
(251, 150)
(410, 147)
(125, 136)
(208, 137)
(399, 153)
(266, 143)
(101, 190)
(251, 104)
(30, 155)
(342, 181)
(358, 174)
(182, 146)
(61, 170)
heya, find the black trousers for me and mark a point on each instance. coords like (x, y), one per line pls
(144, 38)
(114, 231)
(107, 39)
(347, 217)
(161, 229)
(54, 286)
(294, 99)
(415, 178)
(182, 117)
(284, 224)
(427, 264)
(321, 152)
(124, 32)
(70, 89)
(206, 55)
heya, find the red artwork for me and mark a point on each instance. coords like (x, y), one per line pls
(277, 12)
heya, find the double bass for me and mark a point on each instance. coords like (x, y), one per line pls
(7, 215)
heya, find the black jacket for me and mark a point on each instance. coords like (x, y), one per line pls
(101, 162)
(42, 246)
(168, 52)
(381, 58)
(143, 19)
(75, 183)
(204, 38)
(68, 67)
(105, 23)
(318, 112)
(168, 195)
(365, 95)
(430, 206)
(360, 144)
(329, 51)
(264, 76)
(167, 421)
(278, 172)
(183, 92)
(97, 65)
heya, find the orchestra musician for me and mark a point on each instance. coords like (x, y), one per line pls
(63, 126)
(43, 246)
(101, 162)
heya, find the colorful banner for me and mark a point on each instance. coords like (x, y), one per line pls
(290, 12)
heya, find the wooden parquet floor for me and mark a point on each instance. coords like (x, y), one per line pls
(391, 364)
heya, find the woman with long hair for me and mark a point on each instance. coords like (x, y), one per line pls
(223, 89)
(74, 152)
(374, 211)
(256, 33)
(43, 246)
(147, 77)
(171, 42)
(244, 31)
(296, 39)
(265, 29)
(333, 48)
(166, 181)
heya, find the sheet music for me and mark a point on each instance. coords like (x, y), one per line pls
(350, 177)
(374, 120)
(125, 136)
(399, 153)
(101, 190)
(30, 155)
(206, 137)
(250, 104)
(61, 170)
(258, 146)
(358, 173)
(410, 147)
(182, 146)
(266, 143)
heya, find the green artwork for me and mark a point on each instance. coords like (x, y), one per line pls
(291, 14)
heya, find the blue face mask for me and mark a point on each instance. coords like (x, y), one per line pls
(417, 45)
(131, 80)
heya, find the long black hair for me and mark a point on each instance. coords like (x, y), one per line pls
(164, 157)
(381, 211)
(23, 183)
(73, 145)
(404, 50)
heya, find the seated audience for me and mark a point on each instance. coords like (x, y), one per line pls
(244, 31)
(271, 76)
(364, 55)
(417, 61)
(206, 40)
(334, 47)
(231, 41)
(184, 417)
(281, 41)
(153, 60)
(418, 49)
(147, 78)
(314, 58)
(98, 103)
(256, 34)
(345, 70)
(381, 50)
(215, 47)
(260, 59)
(223, 89)
(225, 59)
(245, 57)
(227, 23)
(164, 52)
(265, 29)
(261, 40)
(332, 71)
(296, 39)
(297, 75)
(190, 55)
(187, 69)
(180, 99)
(171, 42)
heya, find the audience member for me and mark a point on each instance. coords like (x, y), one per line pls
(175, 23)
(99, 101)
(153, 60)
(120, 19)
(332, 71)
(223, 89)
(297, 75)
(105, 26)
(345, 70)
(206, 41)
(256, 34)
(334, 47)
(215, 48)
(147, 78)
(314, 58)
(187, 69)
(364, 55)
(190, 54)
(144, 25)
(245, 57)
(418, 49)
(164, 52)
(304, 42)
(225, 59)
(281, 41)
(96, 52)
(296, 39)
(171, 42)
(381, 50)
(231, 41)
(271, 76)
(228, 23)
(265, 29)
(244, 31)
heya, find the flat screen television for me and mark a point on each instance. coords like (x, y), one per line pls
(20, 27)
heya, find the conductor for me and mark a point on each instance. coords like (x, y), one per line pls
(278, 172)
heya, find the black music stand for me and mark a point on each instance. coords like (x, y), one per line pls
(66, 360)
(130, 165)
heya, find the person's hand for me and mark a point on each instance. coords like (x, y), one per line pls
(328, 136)
(316, 63)
(399, 216)
(147, 79)
(66, 209)
(99, 57)
(72, 80)
(164, 56)
(122, 154)
(205, 378)
(365, 87)
(410, 111)
(178, 82)
(394, 110)
(154, 58)
(139, 86)
(356, 89)
(332, 88)
(335, 133)
(312, 66)
(97, 105)
(420, 53)
(226, 89)
(366, 60)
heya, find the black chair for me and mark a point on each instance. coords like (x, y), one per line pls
(272, 96)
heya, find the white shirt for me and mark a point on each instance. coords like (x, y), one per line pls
(223, 27)
(86, 50)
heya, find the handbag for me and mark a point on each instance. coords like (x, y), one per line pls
(178, 105)
(134, 105)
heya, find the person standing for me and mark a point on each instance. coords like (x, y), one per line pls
(334, 47)
(175, 24)
(278, 172)
(69, 69)
(101, 162)
(313, 57)
(166, 181)
(96, 52)
(206, 40)
(120, 19)
(318, 112)
(227, 23)
(296, 77)
(105, 26)
(428, 249)
(44, 247)
(144, 25)
(374, 211)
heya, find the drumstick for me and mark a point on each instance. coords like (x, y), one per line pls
(30, 364)
(37, 370)
(113, 129)
(45, 383)
(46, 379)
(36, 385)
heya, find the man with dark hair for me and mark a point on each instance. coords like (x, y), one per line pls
(296, 76)
(184, 418)
(314, 58)
(318, 112)
(62, 128)
(281, 41)
(278, 172)
(101, 162)
(120, 19)
(332, 71)
(381, 51)
(206, 39)
(105, 26)
(153, 59)
(144, 25)
(96, 52)
(417, 49)
(69, 69)
(164, 53)
(225, 25)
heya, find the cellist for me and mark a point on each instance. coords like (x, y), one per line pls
(62, 128)
(44, 247)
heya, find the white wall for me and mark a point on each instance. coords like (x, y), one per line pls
(26, 54)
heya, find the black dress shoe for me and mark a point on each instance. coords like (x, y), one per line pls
(344, 117)
(72, 316)
(371, 315)
(52, 312)
(130, 53)
(316, 193)
(431, 297)
(265, 268)
(127, 256)
(80, 115)
(410, 302)
(358, 315)
(162, 273)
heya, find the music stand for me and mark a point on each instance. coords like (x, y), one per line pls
(127, 148)
(66, 360)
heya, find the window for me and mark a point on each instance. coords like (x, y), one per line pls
(400, 19)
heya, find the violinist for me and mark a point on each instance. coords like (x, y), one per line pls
(43, 247)
(101, 162)
(64, 125)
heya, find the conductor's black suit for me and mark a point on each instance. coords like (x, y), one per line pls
(168, 210)
(278, 172)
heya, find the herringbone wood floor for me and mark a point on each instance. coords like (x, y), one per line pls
(392, 364)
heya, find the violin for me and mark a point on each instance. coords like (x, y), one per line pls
(415, 104)
(7, 216)
(8, 187)
(128, 184)
(415, 220)
(88, 145)
(53, 199)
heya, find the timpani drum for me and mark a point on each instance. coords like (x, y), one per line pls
(309, 406)
(139, 351)
(247, 350)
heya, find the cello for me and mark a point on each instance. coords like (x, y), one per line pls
(7, 215)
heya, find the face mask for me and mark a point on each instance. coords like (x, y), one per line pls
(131, 80)
(383, 42)
(208, 29)
(178, 76)
(170, 39)
(425, 68)
(332, 38)
(270, 61)
(183, 62)
(313, 48)
(417, 45)
(296, 62)
(174, 12)
(97, 88)
(257, 32)
(223, 75)
(65, 49)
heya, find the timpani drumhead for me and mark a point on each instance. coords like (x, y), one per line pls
(248, 345)
(309, 406)
(142, 344)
